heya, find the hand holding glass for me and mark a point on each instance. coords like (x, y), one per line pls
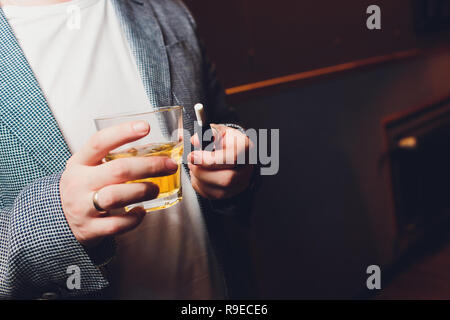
(165, 139)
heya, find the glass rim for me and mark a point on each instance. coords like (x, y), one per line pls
(125, 115)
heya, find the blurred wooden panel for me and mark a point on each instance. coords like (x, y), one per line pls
(256, 40)
(224, 28)
(294, 36)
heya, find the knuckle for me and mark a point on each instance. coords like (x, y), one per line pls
(142, 192)
(227, 180)
(69, 182)
(234, 177)
(120, 170)
(96, 141)
(111, 229)
(69, 185)
(218, 194)
(156, 165)
(70, 163)
(224, 182)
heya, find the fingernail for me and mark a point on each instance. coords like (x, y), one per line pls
(171, 164)
(153, 191)
(138, 211)
(140, 127)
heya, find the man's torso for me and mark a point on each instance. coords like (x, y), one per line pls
(93, 72)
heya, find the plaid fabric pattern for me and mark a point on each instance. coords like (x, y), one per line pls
(24, 109)
(36, 243)
(40, 246)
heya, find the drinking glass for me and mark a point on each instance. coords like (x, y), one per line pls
(165, 139)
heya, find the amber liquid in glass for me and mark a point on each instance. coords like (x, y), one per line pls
(169, 186)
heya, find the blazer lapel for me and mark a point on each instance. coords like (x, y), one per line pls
(146, 40)
(23, 107)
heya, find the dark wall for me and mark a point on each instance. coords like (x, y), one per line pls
(254, 40)
(327, 215)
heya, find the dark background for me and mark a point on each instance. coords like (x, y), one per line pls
(253, 40)
(329, 213)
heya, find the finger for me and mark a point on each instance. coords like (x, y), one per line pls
(222, 178)
(120, 195)
(208, 191)
(219, 131)
(226, 136)
(216, 137)
(117, 224)
(195, 141)
(213, 160)
(194, 182)
(211, 143)
(235, 147)
(131, 169)
(102, 142)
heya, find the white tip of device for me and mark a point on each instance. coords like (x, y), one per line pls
(200, 114)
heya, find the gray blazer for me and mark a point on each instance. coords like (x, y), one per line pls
(36, 243)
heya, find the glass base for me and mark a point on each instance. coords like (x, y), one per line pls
(162, 202)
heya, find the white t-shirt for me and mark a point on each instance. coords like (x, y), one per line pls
(83, 63)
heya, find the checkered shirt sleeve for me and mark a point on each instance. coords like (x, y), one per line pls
(37, 247)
